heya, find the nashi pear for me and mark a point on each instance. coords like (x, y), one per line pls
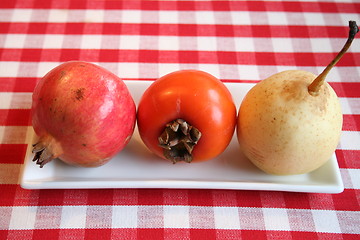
(290, 123)
(285, 130)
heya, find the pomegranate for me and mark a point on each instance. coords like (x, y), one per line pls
(82, 113)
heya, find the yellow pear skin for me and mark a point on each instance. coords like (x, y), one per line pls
(285, 130)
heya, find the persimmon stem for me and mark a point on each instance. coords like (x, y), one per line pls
(178, 140)
(314, 87)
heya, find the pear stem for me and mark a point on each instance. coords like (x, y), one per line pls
(314, 87)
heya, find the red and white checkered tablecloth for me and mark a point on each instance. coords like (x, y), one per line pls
(236, 41)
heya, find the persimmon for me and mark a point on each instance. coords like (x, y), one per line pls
(187, 115)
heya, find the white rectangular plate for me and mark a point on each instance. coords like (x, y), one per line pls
(136, 167)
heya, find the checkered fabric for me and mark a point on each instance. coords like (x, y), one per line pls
(236, 41)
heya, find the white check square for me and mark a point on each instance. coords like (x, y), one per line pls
(176, 217)
(73, 217)
(23, 217)
(226, 218)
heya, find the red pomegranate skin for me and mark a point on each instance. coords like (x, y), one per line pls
(83, 113)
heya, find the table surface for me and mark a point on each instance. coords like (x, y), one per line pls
(242, 42)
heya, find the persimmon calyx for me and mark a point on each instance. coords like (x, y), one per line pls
(178, 140)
